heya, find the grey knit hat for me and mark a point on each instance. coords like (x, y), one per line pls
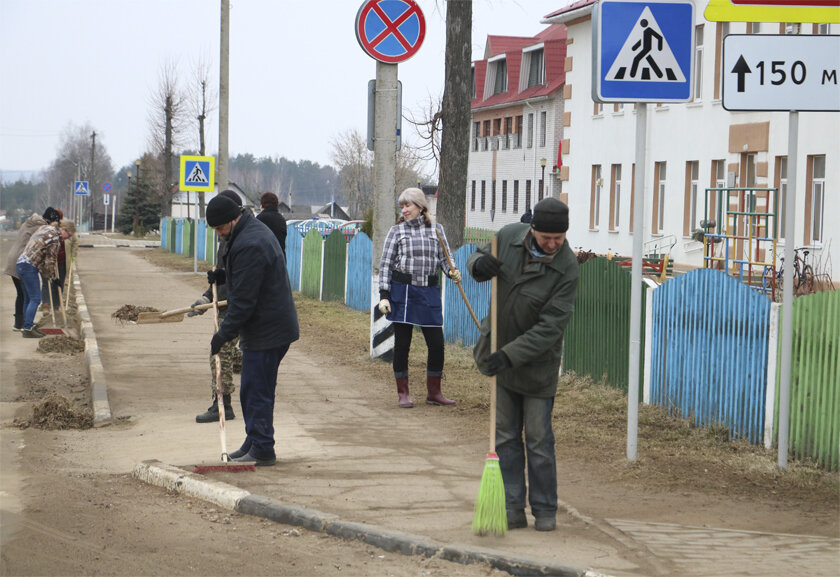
(550, 215)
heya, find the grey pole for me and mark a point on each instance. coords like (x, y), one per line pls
(636, 285)
(384, 184)
(224, 76)
(787, 290)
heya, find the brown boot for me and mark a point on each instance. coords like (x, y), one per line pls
(402, 393)
(435, 397)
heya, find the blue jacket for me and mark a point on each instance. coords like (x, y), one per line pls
(260, 308)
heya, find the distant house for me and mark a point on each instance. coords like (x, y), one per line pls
(332, 210)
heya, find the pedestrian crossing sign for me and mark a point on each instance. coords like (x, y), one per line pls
(198, 173)
(643, 51)
(81, 188)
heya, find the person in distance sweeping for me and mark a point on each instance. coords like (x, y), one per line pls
(537, 279)
(27, 229)
(229, 355)
(261, 312)
(39, 256)
(271, 217)
(409, 292)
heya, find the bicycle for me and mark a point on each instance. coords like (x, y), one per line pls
(803, 275)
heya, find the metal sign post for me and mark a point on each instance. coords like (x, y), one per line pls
(390, 32)
(642, 52)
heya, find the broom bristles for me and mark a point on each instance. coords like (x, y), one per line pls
(490, 514)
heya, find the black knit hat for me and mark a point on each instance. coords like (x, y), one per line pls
(232, 195)
(221, 210)
(51, 215)
(550, 215)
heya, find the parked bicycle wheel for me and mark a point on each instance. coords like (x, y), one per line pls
(805, 281)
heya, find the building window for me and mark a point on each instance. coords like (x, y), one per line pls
(504, 196)
(541, 192)
(722, 32)
(516, 196)
(506, 137)
(782, 186)
(698, 62)
(527, 195)
(543, 127)
(483, 194)
(753, 27)
(615, 197)
(517, 136)
(493, 196)
(792, 27)
(530, 130)
(500, 84)
(816, 188)
(472, 81)
(472, 197)
(595, 197)
(821, 28)
(692, 173)
(659, 187)
(476, 135)
(535, 67)
(486, 135)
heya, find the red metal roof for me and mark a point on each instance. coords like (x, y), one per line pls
(553, 39)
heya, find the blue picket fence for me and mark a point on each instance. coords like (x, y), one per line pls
(458, 324)
(359, 267)
(294, 242)
(709, 351)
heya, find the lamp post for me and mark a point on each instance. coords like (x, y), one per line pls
(542, 179)
(137, 198)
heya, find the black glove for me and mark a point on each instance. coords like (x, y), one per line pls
(216, 276)
(216, 344)
(497, 362)
(487, 266)
(202, 301)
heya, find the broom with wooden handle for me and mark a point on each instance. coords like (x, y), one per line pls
(490, 515)
(457, 282)
(226, 464)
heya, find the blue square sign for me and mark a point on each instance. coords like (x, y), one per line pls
(643, 51)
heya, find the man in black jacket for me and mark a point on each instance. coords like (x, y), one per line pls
(261, 312)
(271, 217)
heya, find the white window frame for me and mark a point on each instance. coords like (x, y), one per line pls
(530, 130)
(783, 188)
(663, 168)
(817, 202)
(699, 35)
(692, 195)
(543, 127)
(596, 202)
(525, 71)
(492, 72)
(617, 199)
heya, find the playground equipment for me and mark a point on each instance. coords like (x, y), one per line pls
(745, 246)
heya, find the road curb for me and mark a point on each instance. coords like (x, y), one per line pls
(93, 362)
(172, 478)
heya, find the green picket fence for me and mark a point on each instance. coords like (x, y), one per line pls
(597, 342)
(335, 263)
(815, 380)
(310, 275)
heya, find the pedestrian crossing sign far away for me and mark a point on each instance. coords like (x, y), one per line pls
(643, 51)
(198, 173)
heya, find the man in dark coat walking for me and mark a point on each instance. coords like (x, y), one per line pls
(271, 217)
(261, 311)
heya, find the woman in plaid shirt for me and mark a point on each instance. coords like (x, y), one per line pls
(40, 255)
(409, 291)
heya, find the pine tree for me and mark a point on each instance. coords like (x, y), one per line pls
(140, 211)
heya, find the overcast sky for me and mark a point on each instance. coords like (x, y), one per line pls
(298, 77)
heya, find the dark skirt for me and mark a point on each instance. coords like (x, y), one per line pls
(415, 305)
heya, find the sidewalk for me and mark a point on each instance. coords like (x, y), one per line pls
(345, 451)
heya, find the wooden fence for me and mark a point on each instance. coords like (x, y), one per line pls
(707, 337)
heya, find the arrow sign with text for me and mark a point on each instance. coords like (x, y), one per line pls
(781, 72)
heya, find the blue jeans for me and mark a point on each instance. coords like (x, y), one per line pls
(31, 283)
(256, 393)
(515, 412)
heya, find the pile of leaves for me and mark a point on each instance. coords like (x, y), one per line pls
(56, 412)
(129, 313)
(61, 344)
(585, 255)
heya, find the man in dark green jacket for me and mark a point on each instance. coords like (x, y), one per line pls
(537, 285)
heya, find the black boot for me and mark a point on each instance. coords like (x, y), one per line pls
(211, 415)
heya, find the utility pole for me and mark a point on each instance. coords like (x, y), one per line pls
(92, 172)
(224, 74)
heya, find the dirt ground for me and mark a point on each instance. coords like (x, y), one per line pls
(80, 523)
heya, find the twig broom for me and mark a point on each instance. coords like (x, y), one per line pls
(489, 515)
(226, 464)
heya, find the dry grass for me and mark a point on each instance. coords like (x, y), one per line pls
(590, 419)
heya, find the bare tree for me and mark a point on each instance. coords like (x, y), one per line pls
(355, 165)
(167, 125)
(428, 122)
(202, 100)
(73, 162)
(455, 118)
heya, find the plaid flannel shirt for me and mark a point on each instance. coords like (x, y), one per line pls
(42, 251)
(413, 248)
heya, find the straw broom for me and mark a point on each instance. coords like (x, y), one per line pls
(490, 515)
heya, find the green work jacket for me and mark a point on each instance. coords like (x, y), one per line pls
(535, 302)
